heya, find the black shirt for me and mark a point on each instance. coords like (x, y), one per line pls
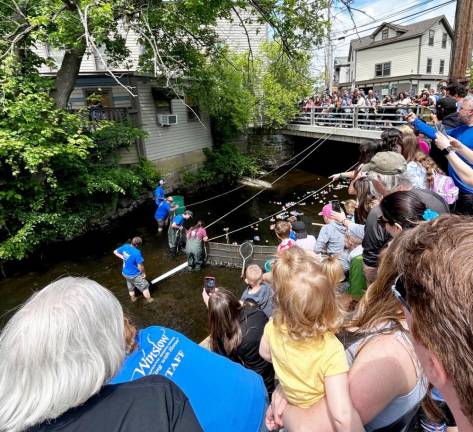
(376, 237)
(252, 322)
(151, 404)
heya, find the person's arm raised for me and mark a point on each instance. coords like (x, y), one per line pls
(265, 349)
(464, 171)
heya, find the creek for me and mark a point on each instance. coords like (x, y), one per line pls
(178, 302)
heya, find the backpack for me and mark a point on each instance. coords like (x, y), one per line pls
(445, 187)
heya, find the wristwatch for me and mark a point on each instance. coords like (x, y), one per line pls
(445, 151)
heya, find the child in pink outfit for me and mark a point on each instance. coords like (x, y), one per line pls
(282, 231)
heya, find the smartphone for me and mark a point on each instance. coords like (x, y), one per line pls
(336, 206)
(209, 284)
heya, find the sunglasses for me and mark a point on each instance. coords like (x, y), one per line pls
(399, 291)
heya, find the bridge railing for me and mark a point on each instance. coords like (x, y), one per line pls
(374, 118)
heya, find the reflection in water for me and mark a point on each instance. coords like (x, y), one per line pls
(178, 299)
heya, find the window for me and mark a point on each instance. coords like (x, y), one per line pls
(193, 111)
(385, 34)
(444, 40)
(162, 98)
(429, 65)
(442, 67)
(427, 86)
(431, 37)
(382, 69)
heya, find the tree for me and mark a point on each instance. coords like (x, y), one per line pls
(177, 35)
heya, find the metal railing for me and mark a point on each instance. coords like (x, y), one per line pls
(374, 118)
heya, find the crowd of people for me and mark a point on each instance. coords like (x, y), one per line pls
(345, 98)
(368, 326)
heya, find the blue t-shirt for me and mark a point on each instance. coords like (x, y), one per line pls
(163, 210)
(159, 194)
(224, 395)
(132, 257)
(178, 220)
(464, 134)
(292, 235)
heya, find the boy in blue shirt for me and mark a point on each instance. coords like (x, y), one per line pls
(159, 192)
(177, 235)
(133, 269)
(162, 212)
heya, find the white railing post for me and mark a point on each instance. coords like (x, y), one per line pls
(355, 116)
(312, 116)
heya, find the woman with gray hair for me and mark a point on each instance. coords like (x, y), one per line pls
(56, 355)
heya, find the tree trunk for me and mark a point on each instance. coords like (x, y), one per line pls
(460, 59)
(67, 74)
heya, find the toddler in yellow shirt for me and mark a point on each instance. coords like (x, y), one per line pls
(309, 360)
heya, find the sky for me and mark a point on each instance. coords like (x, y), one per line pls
(380, 10)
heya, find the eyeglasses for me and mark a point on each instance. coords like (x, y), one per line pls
(399, 290)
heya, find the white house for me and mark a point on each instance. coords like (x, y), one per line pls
(397, 58)
(171, 147)
(341, 70)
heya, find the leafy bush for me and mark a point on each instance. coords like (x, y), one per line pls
(224, 164)
(59, 176)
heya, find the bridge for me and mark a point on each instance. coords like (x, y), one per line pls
(350, 124)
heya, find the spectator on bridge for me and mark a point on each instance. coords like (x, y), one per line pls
(372, 100)
(404, 99)
(435, 269)
(236, 330)
(385, 378)
(309, 105)
(463, 134)
(57, 355)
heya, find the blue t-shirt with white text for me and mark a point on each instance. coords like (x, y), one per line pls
(132, 257)
(224, 395)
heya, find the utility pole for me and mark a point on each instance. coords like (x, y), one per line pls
(462, 44)
(329, 52)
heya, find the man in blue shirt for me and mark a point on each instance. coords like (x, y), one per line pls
(133, 269)
(464, 134)
(177, 235)
(224, 395)
(159, 192)
(162, 212)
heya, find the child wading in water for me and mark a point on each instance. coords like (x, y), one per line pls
(300, 341)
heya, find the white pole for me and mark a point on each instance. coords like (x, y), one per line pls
(169, 273)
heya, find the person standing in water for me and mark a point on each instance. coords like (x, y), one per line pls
(196, 236)
(134, 269)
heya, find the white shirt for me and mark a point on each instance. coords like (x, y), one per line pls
(307, 243)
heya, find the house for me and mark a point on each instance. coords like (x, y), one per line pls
(341, 70)
(177, 132)
(397, 58)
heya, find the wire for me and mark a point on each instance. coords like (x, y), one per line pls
(274, 181)
(279, 211)
(257, 178)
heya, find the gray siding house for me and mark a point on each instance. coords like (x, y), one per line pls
(174, 147)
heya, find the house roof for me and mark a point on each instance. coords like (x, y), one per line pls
(408, 32)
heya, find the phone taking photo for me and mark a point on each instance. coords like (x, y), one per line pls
(209, 284)
(336, 206)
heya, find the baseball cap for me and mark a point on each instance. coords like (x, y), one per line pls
(189, 212)
(162, 181)
(300, 230)
(387, 162)
(326, 210)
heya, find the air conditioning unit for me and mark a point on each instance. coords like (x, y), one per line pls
(167, 119)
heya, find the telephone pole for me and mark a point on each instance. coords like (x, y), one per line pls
(462, 44)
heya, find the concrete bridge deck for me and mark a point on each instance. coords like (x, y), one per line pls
(343, 134)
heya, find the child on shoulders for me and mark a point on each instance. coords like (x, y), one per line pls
(283, 230)
(257, 290)
(300, 340)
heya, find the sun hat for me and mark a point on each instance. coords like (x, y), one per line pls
(387, 162)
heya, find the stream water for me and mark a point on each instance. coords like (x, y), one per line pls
(178, 299)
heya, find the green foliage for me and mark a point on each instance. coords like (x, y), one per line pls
(224, 164)
(58, 174)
